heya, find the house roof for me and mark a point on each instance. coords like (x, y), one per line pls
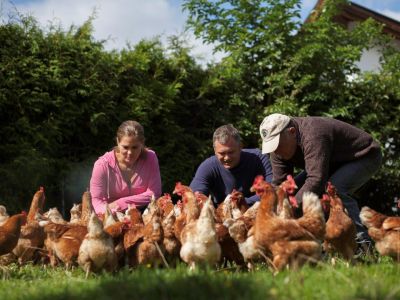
(353, 12)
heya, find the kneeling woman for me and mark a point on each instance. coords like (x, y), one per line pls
(128, 174)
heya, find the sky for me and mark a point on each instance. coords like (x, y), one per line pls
(123, 21)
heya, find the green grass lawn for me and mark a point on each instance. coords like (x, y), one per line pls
(361, 281)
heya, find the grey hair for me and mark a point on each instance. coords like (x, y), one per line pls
(224, 133)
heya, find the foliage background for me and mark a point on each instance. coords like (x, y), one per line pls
(62, 96)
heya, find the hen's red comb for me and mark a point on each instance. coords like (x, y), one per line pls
(178, 187)
(290, 179)
(258, 179)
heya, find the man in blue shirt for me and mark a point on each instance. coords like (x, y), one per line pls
(231, 167)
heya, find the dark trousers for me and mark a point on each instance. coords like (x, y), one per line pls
(347, 179)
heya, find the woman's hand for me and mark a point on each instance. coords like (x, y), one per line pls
(114, 206)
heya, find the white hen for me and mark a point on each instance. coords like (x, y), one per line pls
(199, 239)
(97, 249)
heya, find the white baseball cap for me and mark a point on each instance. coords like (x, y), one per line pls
(270, 130)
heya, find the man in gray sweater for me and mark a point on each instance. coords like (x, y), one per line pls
(327, 150)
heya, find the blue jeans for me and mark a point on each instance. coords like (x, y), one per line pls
(349, 178)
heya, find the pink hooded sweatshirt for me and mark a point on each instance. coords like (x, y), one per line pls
(108, 185)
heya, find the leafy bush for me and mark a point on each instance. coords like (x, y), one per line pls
(62, 96)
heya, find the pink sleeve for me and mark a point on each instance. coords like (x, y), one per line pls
(98, 186)
(151, 171)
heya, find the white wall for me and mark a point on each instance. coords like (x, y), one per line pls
(370, 58)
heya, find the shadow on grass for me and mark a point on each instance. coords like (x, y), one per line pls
(158, 285)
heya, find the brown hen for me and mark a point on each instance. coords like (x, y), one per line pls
(384, 230)
(10, 231)
(340, 234)
(32, 236)
(270, 229)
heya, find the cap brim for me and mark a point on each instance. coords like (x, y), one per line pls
(271, 145)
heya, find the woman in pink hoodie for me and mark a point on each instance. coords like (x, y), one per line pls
(128, 174)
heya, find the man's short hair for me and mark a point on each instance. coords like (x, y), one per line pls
(224, 133)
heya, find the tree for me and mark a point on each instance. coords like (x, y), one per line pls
(63, 97)
(56, 89)
(304, 69)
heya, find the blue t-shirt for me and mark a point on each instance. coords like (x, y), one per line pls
(212, 178)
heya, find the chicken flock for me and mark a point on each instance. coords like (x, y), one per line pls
(194, 231)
